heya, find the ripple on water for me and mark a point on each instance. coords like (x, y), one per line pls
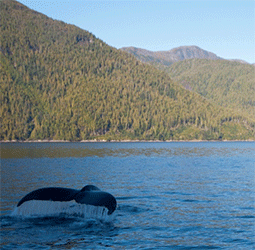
(170, 195)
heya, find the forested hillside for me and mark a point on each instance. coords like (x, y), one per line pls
(227, 83)
(58, 81)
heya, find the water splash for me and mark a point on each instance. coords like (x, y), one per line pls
(37, 208)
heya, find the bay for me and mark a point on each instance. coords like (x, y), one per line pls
(171, 195)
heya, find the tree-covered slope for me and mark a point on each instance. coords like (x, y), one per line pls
(60, 82)
(227, 83)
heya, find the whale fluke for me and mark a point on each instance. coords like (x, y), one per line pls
(51, 193)
(89, 195)
(92, 195)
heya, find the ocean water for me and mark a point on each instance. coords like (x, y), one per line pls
(170, 195)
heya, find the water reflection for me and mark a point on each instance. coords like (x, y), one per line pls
(60, 150)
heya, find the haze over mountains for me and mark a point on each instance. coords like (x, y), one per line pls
(60, 82)
(169, 57)
(174, 55)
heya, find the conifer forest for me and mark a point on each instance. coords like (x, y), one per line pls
(59, 82)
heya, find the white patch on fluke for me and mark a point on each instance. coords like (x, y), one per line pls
(37, 208)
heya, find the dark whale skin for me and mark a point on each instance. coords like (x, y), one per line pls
(89, 195)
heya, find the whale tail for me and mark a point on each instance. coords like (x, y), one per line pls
(50, 194)
(89, 195)
(92, 195)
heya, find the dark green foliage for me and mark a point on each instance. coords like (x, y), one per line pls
(60, 82)
(226, 83)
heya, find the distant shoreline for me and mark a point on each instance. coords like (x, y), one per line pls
(104, 141)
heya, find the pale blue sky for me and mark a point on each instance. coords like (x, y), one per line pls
(224, 27)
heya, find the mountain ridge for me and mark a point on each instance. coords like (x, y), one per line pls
(173, 55)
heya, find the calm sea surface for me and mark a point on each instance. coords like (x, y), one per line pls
(170, 195)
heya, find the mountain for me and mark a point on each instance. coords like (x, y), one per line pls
(167, 58)
(226, 83)
(238, 60)
(60, 82)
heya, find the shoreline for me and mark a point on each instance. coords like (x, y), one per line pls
(120, 141)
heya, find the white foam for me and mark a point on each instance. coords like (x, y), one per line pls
(37, 208)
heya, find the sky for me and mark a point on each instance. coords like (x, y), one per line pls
(224, 27)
